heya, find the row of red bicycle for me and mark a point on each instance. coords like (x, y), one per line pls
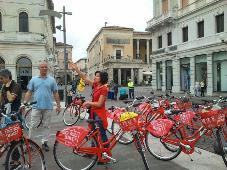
(166, 126)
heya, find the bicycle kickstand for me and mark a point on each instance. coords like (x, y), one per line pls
(107, 156)
(190, 158)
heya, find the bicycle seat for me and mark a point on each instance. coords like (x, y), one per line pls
(135, 105)
(140, 98)
(175, 112)
(80, 97)
(92, 121)
(127, 101)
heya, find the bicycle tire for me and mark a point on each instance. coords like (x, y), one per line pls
(161, 150)
(73, 161)
(140, 150)
(222, 145)
(72, 112)
(27, 119)
(126, 138)
(23, 158)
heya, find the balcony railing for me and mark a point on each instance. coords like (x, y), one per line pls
(165, 17)
(122, 59)
(159, 51)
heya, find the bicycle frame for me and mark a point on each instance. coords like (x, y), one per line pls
(188, 141)
(100, 149)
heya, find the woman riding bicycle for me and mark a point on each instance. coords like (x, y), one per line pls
(99, 94)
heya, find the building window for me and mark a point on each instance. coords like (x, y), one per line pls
(0, 21)
(160, 41)
(23, 22)
(220, 23)
(2, 63)
(184, 3)
(24, 71)
(118, 54)
(169, 38)
(200, 29)
(164, 6)
(185, 34)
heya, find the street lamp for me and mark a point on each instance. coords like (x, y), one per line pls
(59, 14)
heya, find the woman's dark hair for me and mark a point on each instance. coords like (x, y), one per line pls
(103, 78)
(6, 73)
(97, 72)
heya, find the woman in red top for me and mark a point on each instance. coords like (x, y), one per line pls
(99, 95)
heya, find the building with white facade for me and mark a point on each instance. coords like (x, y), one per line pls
(25, 37)
(189, 44)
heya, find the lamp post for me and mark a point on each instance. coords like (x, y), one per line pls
(65, 54)
(59, 14)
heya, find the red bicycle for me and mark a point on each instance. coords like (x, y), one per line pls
(23, 153)
(74, 111)
(87, 147)
(169, 146)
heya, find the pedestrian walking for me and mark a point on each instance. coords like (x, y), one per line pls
(131, 89)
(115, 89)
(43, 86)
(99, 95)
(10, 97)
(197, 88)
(202, 88)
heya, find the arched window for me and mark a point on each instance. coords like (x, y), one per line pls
(23, 22)
(0, 21)
(2, 63)
(24, 72)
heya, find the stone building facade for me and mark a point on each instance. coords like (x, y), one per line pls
(25, 37)
(122, 52)
(189, 40)
(82, 65)
(59, 67)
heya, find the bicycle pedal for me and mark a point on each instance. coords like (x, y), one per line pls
(107, 156)
(197, 151)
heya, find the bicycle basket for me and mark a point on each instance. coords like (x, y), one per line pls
(212, 118)
(10, 133)
(72, 136)
(128, 121)
(144, 108)
(160, 127)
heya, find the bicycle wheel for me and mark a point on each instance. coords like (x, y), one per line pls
(67, 158)
(18, 156)
(126, 138)
(160, 150)
(222, 145)
(141, 150)
(71, 115)
(27, 119)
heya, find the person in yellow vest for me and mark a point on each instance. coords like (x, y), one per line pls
(131, 89)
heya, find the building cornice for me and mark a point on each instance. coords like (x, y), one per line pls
(21, 43)
(109, 28)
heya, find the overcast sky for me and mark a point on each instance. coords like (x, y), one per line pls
(88, 16)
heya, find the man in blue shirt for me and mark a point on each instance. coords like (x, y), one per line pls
(43, 87)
